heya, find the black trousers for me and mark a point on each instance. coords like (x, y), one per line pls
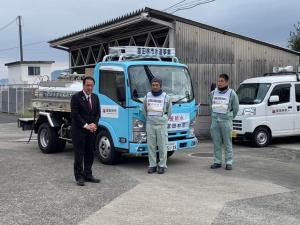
(84, 153)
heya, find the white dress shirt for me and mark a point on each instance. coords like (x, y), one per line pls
(87, 97)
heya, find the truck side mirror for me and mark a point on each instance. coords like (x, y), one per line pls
(273, 99)
(121, 94)
(213, 87)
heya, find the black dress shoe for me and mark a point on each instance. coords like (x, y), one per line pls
(92, 179)
(161, 170)
(152, 170)
(215, 166)
(228, 167)
(80, 182)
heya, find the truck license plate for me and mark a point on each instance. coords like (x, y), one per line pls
(171, 146)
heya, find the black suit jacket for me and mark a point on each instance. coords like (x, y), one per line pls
(80, 112)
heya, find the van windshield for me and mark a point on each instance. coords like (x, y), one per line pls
(175, 81)
(250, 94)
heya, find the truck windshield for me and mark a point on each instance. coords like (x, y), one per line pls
(175, 82)
(250, 94)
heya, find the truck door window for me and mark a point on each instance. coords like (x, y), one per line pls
(297, 92)
(112, 84)
(283, 91)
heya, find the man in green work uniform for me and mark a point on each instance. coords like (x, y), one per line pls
(157, 110)
(224, 105)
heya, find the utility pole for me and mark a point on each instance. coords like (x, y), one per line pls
(20, 37)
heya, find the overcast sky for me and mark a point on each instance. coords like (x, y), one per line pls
(266, 20)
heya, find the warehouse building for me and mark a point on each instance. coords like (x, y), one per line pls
(208, 51)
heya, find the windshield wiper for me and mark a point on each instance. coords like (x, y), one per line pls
(150, 76)
(138, 100)
(186, 96)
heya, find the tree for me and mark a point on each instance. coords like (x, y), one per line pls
(294, 41)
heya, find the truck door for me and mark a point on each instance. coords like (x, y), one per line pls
(280, 114)
(297, 108)
(114, 114)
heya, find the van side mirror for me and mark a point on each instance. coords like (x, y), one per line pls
(274, 99)
(121, 94)
(213, 87)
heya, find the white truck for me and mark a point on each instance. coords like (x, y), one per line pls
(269, 107)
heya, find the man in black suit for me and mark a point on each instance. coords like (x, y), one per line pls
(85, 114)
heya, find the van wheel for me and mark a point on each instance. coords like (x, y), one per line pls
(48, 139)
(261, 137)
(105, 150)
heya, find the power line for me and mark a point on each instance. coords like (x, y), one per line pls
(192, 6)
(174, 5)
(26, 45)
(183, 5)
(7, 25)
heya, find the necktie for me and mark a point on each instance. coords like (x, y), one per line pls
(90, 104)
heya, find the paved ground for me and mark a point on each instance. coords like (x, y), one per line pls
(39, 189)
(8, 118)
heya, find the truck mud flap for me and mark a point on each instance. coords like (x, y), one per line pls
(26, 123)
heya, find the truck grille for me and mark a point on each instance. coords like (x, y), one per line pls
(237, 125)
(175, 136)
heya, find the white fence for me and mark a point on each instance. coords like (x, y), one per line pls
(16, 98)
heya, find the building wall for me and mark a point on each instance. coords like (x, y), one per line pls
(208, 53)
(14, 74)
(18, 74)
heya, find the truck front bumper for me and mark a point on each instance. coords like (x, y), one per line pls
(142, 148)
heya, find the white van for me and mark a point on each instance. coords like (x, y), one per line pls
(269, 107)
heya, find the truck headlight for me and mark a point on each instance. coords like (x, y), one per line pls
(139, 136)
(192, 127)
(139, 131)
(249, 111)
(138, 125)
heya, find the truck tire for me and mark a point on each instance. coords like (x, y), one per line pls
(48, 139)
(170, 153)
(105, 150)
(261, 137)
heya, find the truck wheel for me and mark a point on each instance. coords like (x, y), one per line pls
(170, 153)
(261, 137)
(105, 150)
(48, 139)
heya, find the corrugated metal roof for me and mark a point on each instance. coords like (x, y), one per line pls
(169, 17)
(100, 25)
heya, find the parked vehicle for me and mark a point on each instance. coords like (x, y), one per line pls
(269, 107)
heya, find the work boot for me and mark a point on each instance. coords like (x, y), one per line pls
(92, 179)
(152, 170)
(228, 167)
(216, 166)
(80, 181)
(161, 170)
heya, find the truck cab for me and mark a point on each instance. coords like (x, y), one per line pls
(269, 107)
(122, 82)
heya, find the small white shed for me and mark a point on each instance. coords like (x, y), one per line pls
(29, 72)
